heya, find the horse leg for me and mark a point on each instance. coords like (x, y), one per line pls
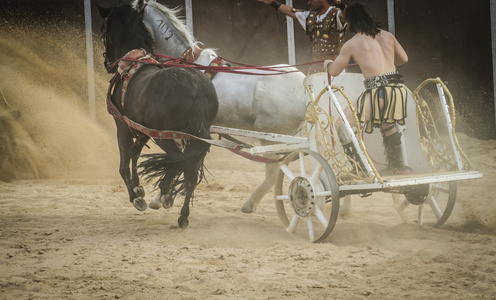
(157, 201)
(164, 198)
(139, 201)
(288, 98)
(257, 195)
(126, 149)
(190, 187)
(183, 219)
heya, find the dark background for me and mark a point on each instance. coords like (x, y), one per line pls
(450, 39)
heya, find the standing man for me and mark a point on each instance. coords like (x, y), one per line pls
(324, 24)
(383, 104)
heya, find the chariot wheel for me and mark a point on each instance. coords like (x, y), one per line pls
(432, 210)
(307, 196)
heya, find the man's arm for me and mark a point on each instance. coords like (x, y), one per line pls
(280, 7)
(342, 7)
(400, 56)
(335, 68)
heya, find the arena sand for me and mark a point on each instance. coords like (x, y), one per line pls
(68, 231)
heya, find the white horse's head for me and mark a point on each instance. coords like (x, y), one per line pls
(168, 30)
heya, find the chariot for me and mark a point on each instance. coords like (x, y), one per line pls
(316, 174)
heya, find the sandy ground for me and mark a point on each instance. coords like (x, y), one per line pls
(74, 235)
(81, 239)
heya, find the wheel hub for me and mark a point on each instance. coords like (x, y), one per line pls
(302, 196)
(417, 194)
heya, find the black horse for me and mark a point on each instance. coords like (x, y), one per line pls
(171, 98)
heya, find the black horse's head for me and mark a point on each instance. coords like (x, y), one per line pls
(123, 31)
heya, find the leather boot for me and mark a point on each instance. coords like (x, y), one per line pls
(348, 147)
(392, 145)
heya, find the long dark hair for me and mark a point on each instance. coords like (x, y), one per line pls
(361, 19)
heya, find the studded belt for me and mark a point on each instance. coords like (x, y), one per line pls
(383, 80)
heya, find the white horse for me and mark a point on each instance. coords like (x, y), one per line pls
(264, 103)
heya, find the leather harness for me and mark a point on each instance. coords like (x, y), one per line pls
(127, 74)
(191, 56)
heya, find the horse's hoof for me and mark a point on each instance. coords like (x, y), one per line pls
(183, 222)
(156, 203)
(247, 209)
(168, 202)
(140, 204)
(139, 191)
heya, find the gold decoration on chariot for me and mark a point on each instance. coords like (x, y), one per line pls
(318, 33)
(310, 115)
(326, 36)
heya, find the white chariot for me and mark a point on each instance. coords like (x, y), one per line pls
(315, 173)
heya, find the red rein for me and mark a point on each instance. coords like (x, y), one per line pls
(243, 69)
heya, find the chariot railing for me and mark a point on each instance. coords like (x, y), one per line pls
(440, 147)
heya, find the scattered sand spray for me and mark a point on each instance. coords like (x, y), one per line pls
(44, 78)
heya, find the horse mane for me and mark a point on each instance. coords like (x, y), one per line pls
(173, 14)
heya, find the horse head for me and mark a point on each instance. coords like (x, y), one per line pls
(168, 30)
(123, 31)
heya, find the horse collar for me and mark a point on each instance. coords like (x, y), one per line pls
(217, 62)
(191, 56)
(129, 65)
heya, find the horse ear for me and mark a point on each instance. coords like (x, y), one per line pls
(104, 12)
(140, 6)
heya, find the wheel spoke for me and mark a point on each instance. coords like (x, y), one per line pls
(316, 174)
(421, 214)
(311, 235)
(323, 194)
(282, 197)
(289, 174)
(435, 208)
(303, 171)
(322, 218)
(292, 225)
(440, 188)
(403, 205)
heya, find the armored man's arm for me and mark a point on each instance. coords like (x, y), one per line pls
(342, 7)
(287, 10)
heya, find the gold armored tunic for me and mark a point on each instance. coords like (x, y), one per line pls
(326, 39)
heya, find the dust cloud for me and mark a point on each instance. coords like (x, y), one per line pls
(45, 127)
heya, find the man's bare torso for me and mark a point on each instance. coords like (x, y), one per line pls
(375, 55)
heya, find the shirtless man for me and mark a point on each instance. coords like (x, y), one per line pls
(377, 53)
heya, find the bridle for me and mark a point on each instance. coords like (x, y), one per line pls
(108, 63)
(109, 60)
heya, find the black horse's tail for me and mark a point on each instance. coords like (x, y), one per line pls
(180, 170)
